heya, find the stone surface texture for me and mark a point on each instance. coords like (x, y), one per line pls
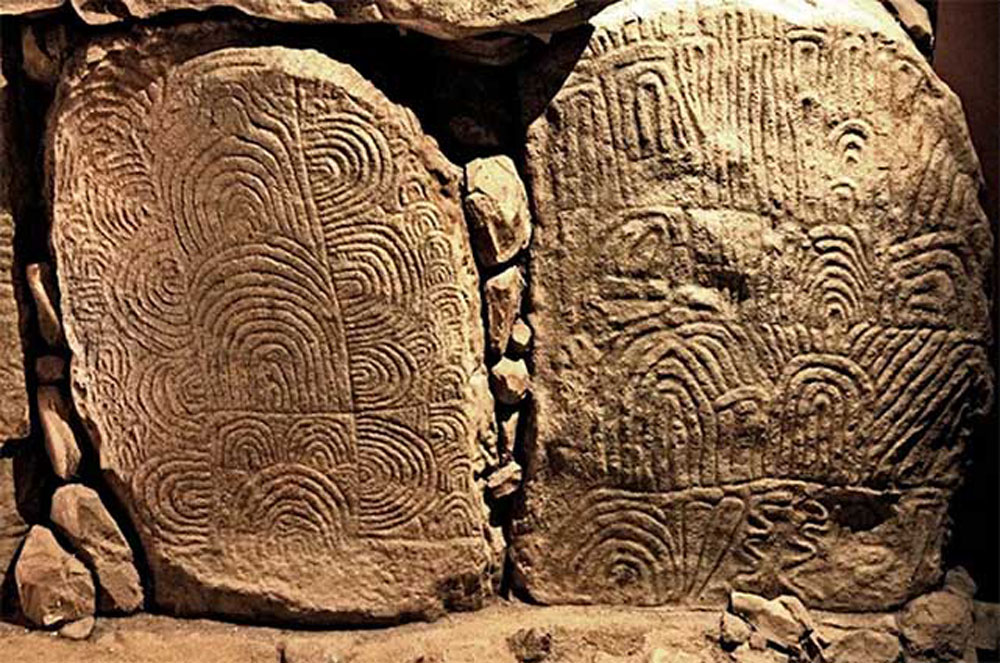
(81, 517)
(497, 207)
(759, 284)
(54, 587)
(447, 19)
(60, 441)
(14, 420)
(937, 626)
(13, 525)
(503, 303)
(17, 7)
(275, 322)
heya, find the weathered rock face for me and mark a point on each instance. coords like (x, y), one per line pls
(442, 18)
(269, 293)
(13, 525)
(79, 514)
(14, 421)
(759, 283)
(54, 587)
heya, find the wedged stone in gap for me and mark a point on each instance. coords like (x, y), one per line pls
(503, 303)
(773, 619)
(733, 630)
(508, 435)
(741, 308)
(958, 581)
(505, 481)
(276, 332)
(60, 441)
(510, 381)
(42, 287)
(520, 338)
(79, 514)
(497, 207)
(14, 412)
(50, 369)
(53, 586)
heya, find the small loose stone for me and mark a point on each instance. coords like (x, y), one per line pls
(510, 381)
(60, 442)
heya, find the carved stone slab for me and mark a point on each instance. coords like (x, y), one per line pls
(272, 305)
(14, 421)
(759, 283)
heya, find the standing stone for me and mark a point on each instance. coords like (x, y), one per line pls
(79, 514)
(759, 281)
(275, 323)
(54, 587)
(14, 421)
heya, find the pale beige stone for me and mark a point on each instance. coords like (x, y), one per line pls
(520, 338)
(42, 288)
(510, 380)
(507, 441)
(733, 631)
(497, 206)
(53, 586)
(276, 335)
(17, 7)
(448, 19)
(750, 277)
(14, 414)
(772, 619)
(503, 303)
(60, 441)
(865, 646)
(78, 513)
(50, 369)
(505, 481)
(78, 630)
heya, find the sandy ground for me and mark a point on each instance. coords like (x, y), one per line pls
(501, 633)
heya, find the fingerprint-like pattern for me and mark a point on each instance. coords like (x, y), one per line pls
(268, 294)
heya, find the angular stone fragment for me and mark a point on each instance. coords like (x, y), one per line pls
(497, 206)
(50, 369)
(54, 587)
(78, 630)
(864, 646)
(79, 514)
(503, 303)
(14, 419)
(42, 287)
(759, 284)
(448, 19)
(275, 323)
(987, 625)
(60, 441)
(508, 436)
(937, 626)
(520, 338)
(505, 481)
(773, 619)
(733, 631)
(510, 380)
